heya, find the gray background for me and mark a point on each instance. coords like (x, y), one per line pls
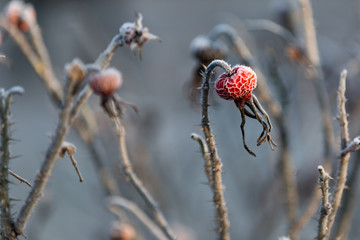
(159, 136)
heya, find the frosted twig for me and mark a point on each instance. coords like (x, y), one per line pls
(325, 205)
(353, 146)
(7, 224)
(346, 212)
(21, 179)
(70, 149)
(344, 160)
(133, 208)
(51, 156)
(217, 187)
(205, 153)
(135, 180)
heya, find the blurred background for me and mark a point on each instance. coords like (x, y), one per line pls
(158, 138)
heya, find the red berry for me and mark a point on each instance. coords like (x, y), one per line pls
(105, 82)
(238, 84)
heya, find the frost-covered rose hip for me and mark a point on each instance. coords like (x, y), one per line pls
(238, 84)
(105, 82)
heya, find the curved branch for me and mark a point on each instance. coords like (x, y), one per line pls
(218, 198)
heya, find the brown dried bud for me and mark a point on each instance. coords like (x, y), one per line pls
(122, 231)
(206, 50)
(13, 11)
(105, 82)
(27, 18)
(67, 147)
(20, 14)
(76, 70)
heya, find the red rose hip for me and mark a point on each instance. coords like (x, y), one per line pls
(238, 84)
(105, 82)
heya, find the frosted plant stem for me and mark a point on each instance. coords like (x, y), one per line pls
(137, 183)
(325, 204)
(206, 156)
(263, 92)
(7, 225)
(132, 207)
(51, 156)
(344, 160)
(222, 220)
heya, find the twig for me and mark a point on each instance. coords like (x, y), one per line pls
(312, 53)
(132, 207)
(7, 225)
(353, 146)
(325, 205)
(23, 180)
(286, 166)
(218, 198)
(206, 155)
(38, 42)
(344, 160)
(52, 154)
(75, 166)
(53, 86)
(136, 182)
(86, 129)
(346, 212)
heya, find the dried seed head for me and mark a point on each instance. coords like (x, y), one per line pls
(206, 50)
(122, 231)
(238, 84)
(105, 82)
(20, 14)
(27, 18)
(76, 70)
(67, 147)
(135, 35)
(13, 11)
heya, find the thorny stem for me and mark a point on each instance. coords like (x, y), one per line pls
(344, 160)
(43, 68)
(132, 207)
(325, 205)
(136, 182)
(205, 153)
(218, 191)
(67, 116)
(7, 225)
(51, 156)
(348, 204)
(22, 180)
(286, 166)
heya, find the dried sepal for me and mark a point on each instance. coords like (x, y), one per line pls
(76, 70)
(67, 147)
(135, 35)
(19, 14)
